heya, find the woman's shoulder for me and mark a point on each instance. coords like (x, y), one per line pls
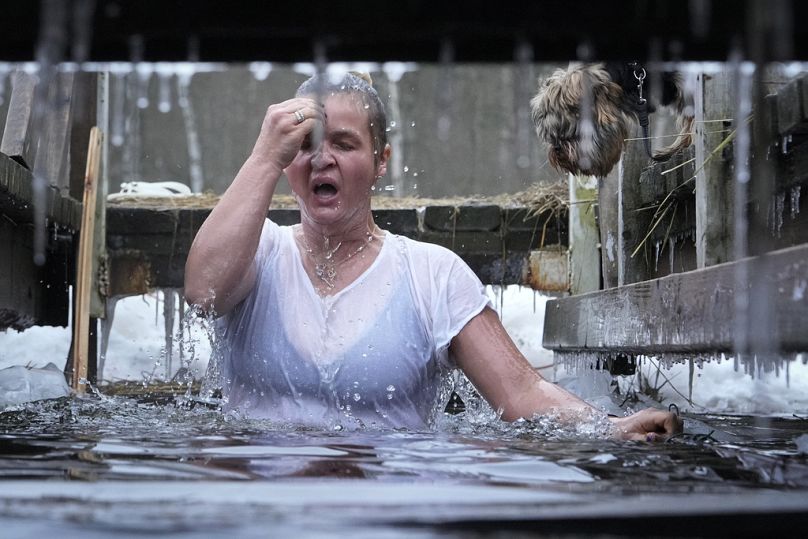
(419, 249)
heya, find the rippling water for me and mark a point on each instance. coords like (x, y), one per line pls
(96, 466)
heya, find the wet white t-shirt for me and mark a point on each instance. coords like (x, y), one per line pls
(372, 354)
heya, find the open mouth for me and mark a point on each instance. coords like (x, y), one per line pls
(325, 189)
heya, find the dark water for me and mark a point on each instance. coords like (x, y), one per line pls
(98, 467)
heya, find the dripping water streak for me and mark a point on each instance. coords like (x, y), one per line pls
(743, 107)
(395, 135)
(184, 74)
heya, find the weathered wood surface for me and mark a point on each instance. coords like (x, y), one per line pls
(16, 194)
(608, 210)
(715, 110)
(17, 141)
(584, 237)
(147, 247)
(30, 294)
(84, 265)
(691, 312)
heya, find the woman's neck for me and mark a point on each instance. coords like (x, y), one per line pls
(335, 240)
(334, 258)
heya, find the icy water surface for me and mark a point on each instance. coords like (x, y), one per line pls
(102, 466)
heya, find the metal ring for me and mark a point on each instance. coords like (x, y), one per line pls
(299, 116)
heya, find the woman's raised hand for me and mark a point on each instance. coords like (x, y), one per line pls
(286, 125)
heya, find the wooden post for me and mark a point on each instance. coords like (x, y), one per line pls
(607, 222)
(583, 239)
(85, 264)
(632, 223)
(714, 195)
(99, 294)
(17, 133)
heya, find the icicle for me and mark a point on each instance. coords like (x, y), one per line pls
(779, 209)
(164, 75)
(169, 312)
(657, 251)
(671, 251)
(795, 201)
(118, 111)
(524, 90)
(106, 328)
(260, 70)
(144, 73)
(394, 71)
(445, 89)
(184, 74)
(3, 77)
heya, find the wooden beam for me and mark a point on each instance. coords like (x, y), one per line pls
(147, 246)
(633, 223)
(17, 139)
(714, 183)
(84, 279)
(584, 258)
(16, 197)
(690, 312)
(608, 208)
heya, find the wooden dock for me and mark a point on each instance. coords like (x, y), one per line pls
(692, 278)
(147, 246)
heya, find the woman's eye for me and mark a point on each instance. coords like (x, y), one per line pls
(306, 144)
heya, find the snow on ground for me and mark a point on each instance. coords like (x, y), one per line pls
(137, 350)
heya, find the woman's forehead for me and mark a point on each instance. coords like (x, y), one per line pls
(345, 112)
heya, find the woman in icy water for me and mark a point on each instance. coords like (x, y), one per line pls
(335, 321)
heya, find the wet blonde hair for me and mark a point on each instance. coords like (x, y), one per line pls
(358, 84)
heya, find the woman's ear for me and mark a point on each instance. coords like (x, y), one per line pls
(381, 169)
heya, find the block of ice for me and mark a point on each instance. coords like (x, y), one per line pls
(20, 384)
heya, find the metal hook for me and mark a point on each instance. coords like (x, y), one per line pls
(673, 408)
(640, 78)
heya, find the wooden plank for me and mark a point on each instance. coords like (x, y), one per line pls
(30, 294)
(633, 222)
(690, 312)
(96, 107)
(147, 247)
(17, 138)
(792, 107)
(16, 197)
(84, 277)
(584, 256)
(608, 210)
(714, 182)
(52, 159)
(83, 118)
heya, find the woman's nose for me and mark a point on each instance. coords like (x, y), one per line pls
(322, 157)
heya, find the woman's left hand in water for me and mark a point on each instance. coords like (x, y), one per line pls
(648, 425)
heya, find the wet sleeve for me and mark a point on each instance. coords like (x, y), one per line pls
(459, 297)
(268, 244)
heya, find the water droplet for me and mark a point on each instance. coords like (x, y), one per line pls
(391, 388)
(357, 397)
